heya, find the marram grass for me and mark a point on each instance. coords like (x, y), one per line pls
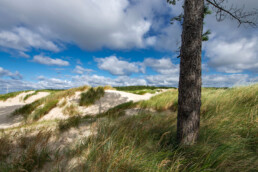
(147, 142)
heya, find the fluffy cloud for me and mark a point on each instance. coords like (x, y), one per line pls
(220, 80)
(117, 67)
(113, 24)
(54, 83)
(163, 66)
(215, 80)
(22, 39)
(121, 67)
(15, 76)
(80, 70)
(49, 61)
(233, 57)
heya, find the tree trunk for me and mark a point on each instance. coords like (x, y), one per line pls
(189, 97)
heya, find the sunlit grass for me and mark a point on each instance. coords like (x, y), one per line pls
(228, 138)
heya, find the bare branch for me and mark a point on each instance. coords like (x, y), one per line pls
(238, 14)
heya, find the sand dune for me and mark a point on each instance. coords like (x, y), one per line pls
(11, 104)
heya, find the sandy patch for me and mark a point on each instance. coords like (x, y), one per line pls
(18, 100)
(111, 99)
(10, 105)
(37, 97)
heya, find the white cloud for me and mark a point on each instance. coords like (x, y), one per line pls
(162, 66)
(121, 67)
(80, 70)
(116, 24)
(215, 80)
(220, 80)
(55, 83)
(96, 80)
(49, 61)
(233, 57)
(117, 67)
(23, 39)
(15, 76)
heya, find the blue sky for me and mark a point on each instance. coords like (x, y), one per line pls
(63, 44)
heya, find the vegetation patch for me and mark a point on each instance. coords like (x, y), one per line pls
(74, 121)
(45, 109)
(133, 88)
(49, 103)
(30, 153)
(91, 96)
(4, 97)
(71, 110)
(26, 110)
(147, 142)
(117, 111)
(141, 90)
(160, 102)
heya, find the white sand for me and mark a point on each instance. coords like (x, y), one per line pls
(11, 104)
(111, 99)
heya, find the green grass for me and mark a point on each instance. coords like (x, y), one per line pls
(48, 106)
(91, 96)
(134, 88)
(74, 121)
(141, 90)
(44, 90)
(147, 142)
(228, 138)
(30, 153)
(160, 102)
(4, 97)
(33, 112)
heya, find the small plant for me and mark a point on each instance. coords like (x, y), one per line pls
(29, 153)
(6, 146)
(71, 110)
(108, 87)
(45, 109)
(29, 95)
(91, 96)
(63, 103)
(74, 121)
(26, 110)
(4, 97)
(117, 111)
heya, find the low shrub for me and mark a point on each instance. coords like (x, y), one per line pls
(91, 96)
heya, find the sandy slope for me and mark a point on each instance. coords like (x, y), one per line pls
(111, 99)
(11, 104)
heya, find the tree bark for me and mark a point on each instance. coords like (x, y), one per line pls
(189, 97)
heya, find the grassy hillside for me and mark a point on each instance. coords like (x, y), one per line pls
(145, 142)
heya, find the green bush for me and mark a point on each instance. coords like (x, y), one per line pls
(91, 96)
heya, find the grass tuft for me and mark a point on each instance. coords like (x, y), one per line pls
(91, 96)
(71, 110)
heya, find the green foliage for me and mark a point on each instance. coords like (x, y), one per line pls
(160, 102)
(117, 111)
(30, 153)
(205, 35)
(91, 96)
(4, 97)
(74, 121)
(29, 95)
(26, 110)
(147, 142)
(136, 88)
(71, 110)
(44, 110)
(49, 102)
